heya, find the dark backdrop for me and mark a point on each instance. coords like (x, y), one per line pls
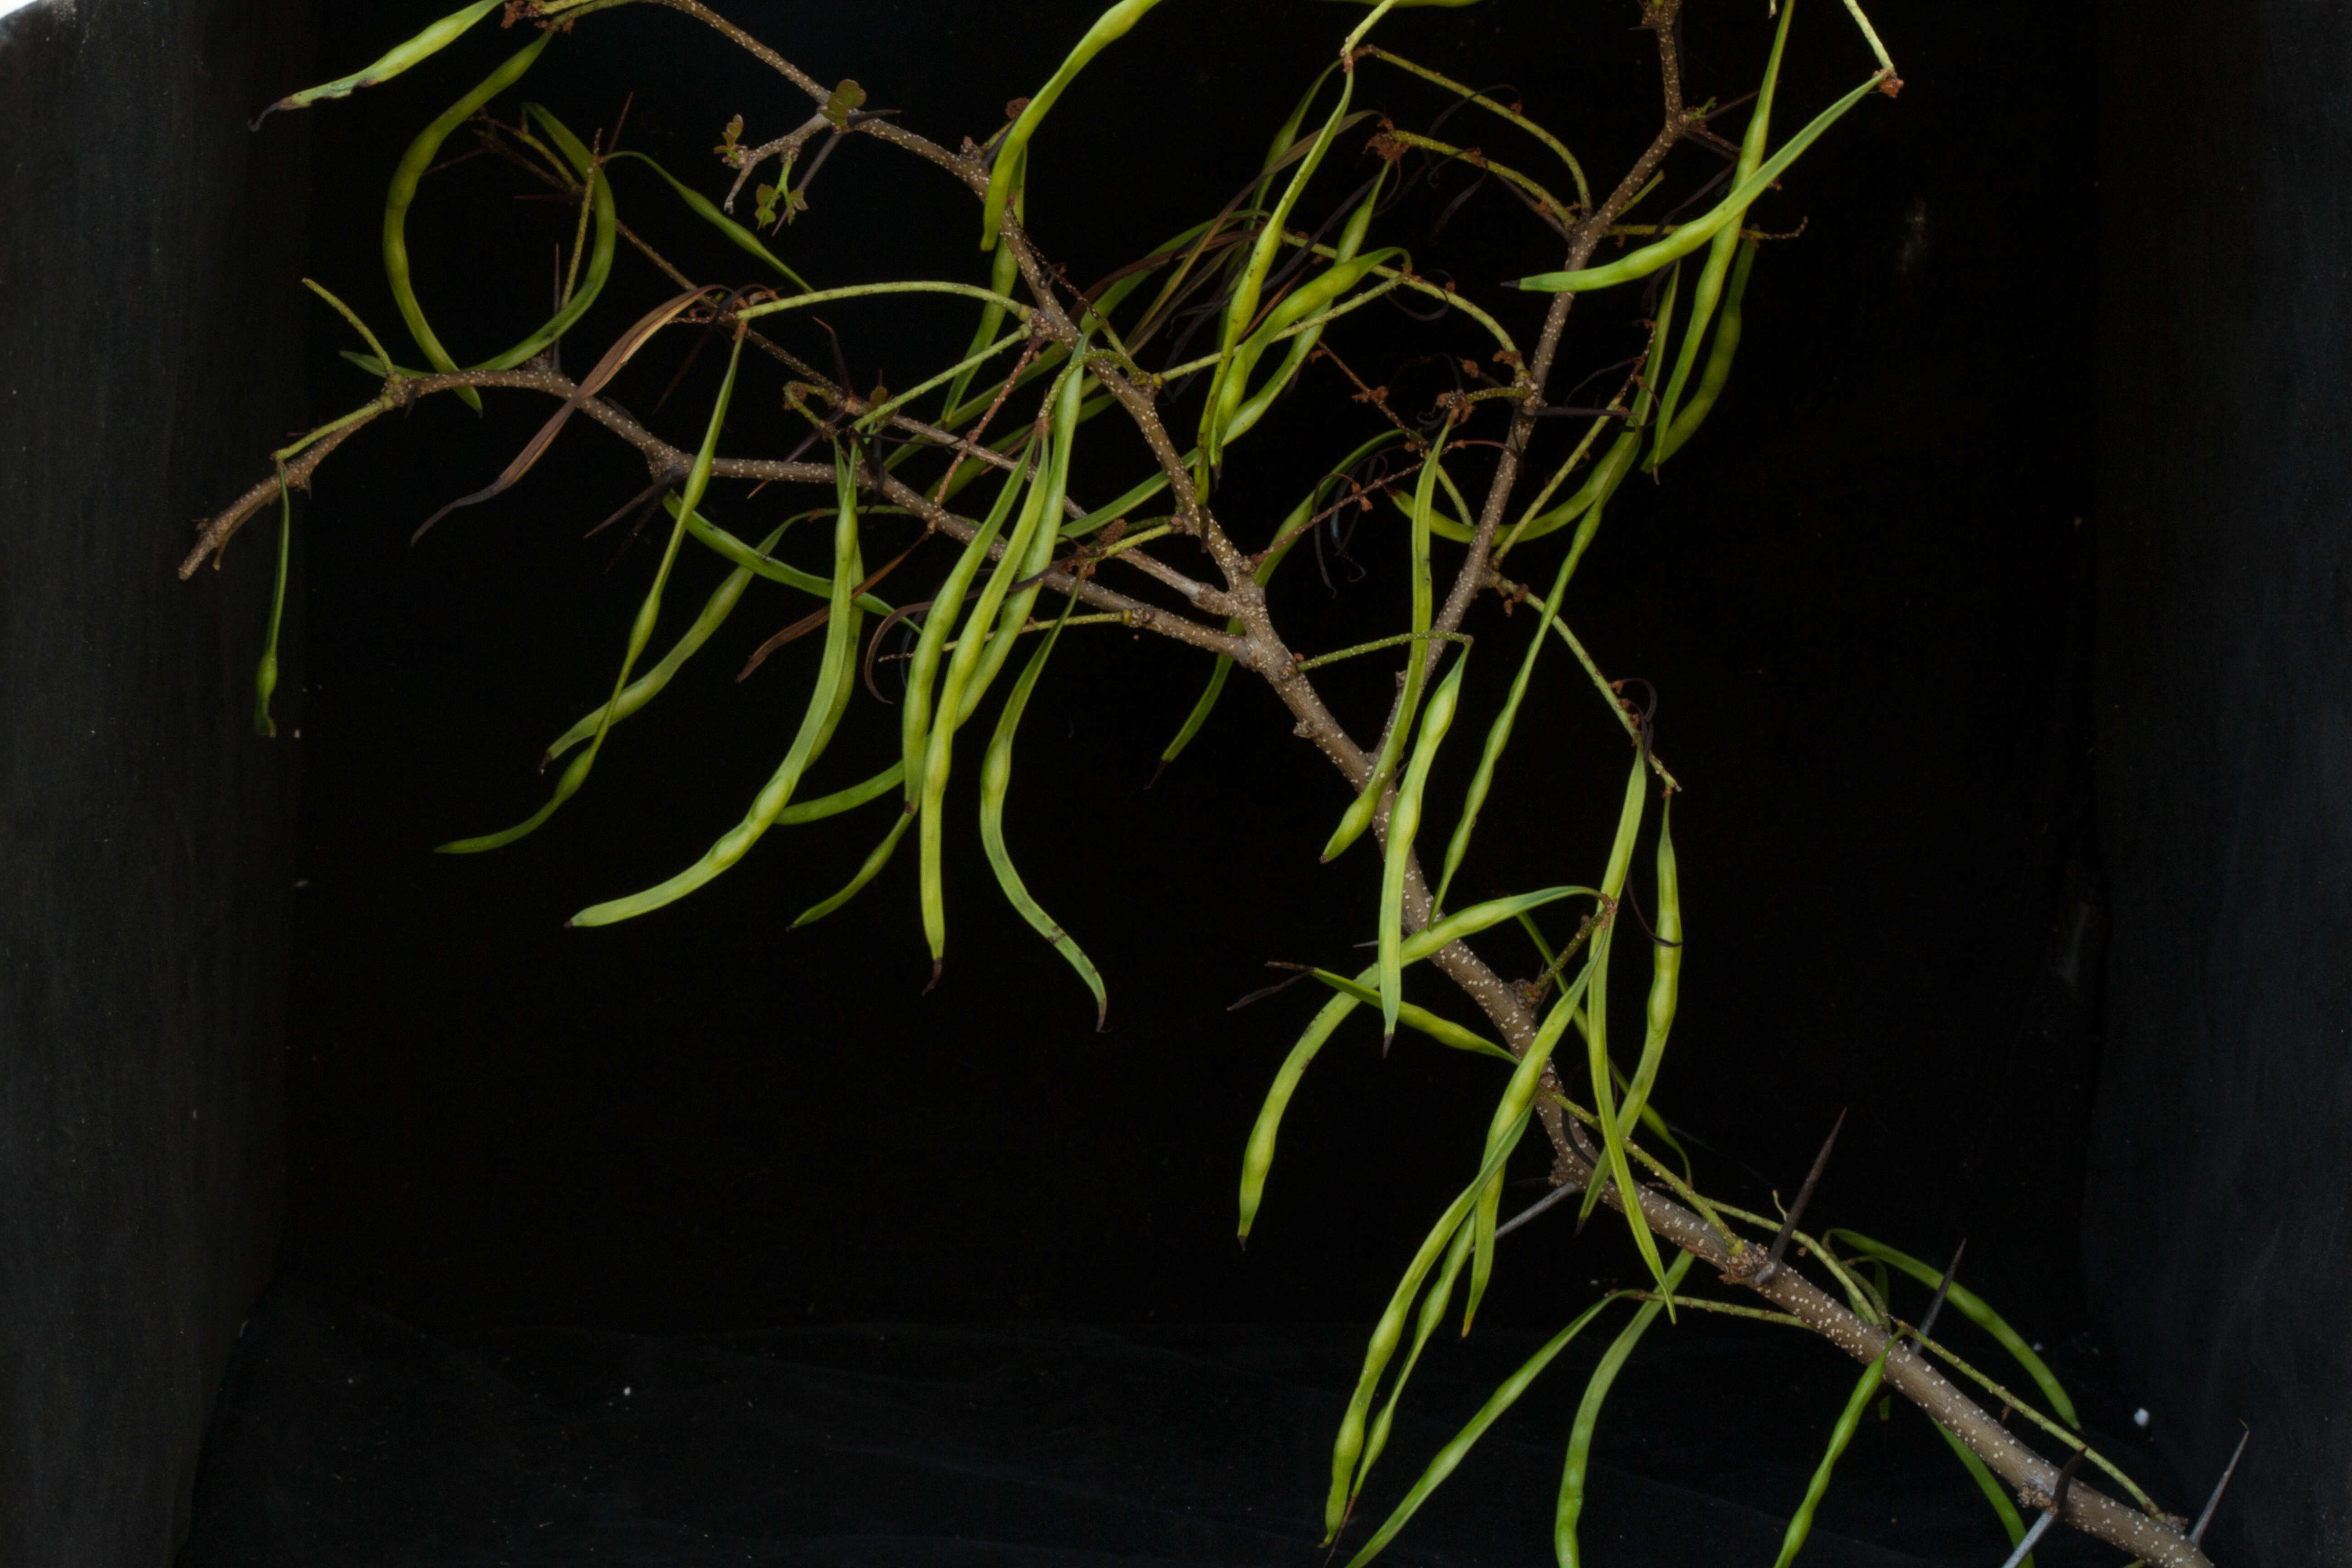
(148, 355)
(1864, 594)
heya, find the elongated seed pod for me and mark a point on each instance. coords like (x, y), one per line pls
(1433, 1303)
(995, 784)
(1588, 1418)
(1719, 359)
(265, 672)
(878, 859)
(1405, 823)
(1108, 28)
(1242, 309)
(1359, 812)
(1666, 971)
(1994, 1492)
(1350, 1446)
(1801, 1523)
(403, 192)
(1639, 264)
(727, 547)
(1445, 1031)
(836, 673)
(1596, 1013)
(1518, 1095)
(1449, 1459)
(641, 632)
(600, 255)
(648, 686)
(1036, 528)
(1720, 249)
(409, 52)
(705, 209)
(939, 624)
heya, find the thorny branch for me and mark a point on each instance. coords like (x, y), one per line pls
(1261, 648)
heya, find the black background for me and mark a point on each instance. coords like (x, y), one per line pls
(1864, 594)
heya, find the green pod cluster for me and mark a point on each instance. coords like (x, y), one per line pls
(1570, 1507)
(837, 676)
(1359, 812)
(641, 632)
(1718, 359)
(1027, 551)
(1849, 1421)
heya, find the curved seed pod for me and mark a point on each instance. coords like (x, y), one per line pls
(1244, 409)
(400, 57)
(1588, 1417)
(403, 192)
(1596, 1013)
(1972, 1306)
(939, 621)
(1801, 1523)
(1108, 28)
(841, 800)
(1718, 359)
(759, 562)
(1987, 1483)
(1359, 815)
(1665, 971)
(1032, 537)
(1720, 249)
(648, 686)
(1445, 1031)
(1391, 1328)
(1527, 1077)
(995, 782)
(1637, 265)
(640, 633)
(1405, 822)
(879, 858)
(1258, 1156)
(1433, 1313)
(1450, 1457)
(703, 207)
(836, 673)
(1499, 735)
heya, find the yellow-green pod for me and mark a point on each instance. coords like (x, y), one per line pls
(403, 192)
(265, 673)
(1719, 359)
(1719, 249)
(1359, 815)
(995, 784)
(1108, 28)
(1588, 1418)
(410, 52)
(703, 207)
(1637, 265)
(1801, 1523)
(1665, 972)
(1405, 822)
